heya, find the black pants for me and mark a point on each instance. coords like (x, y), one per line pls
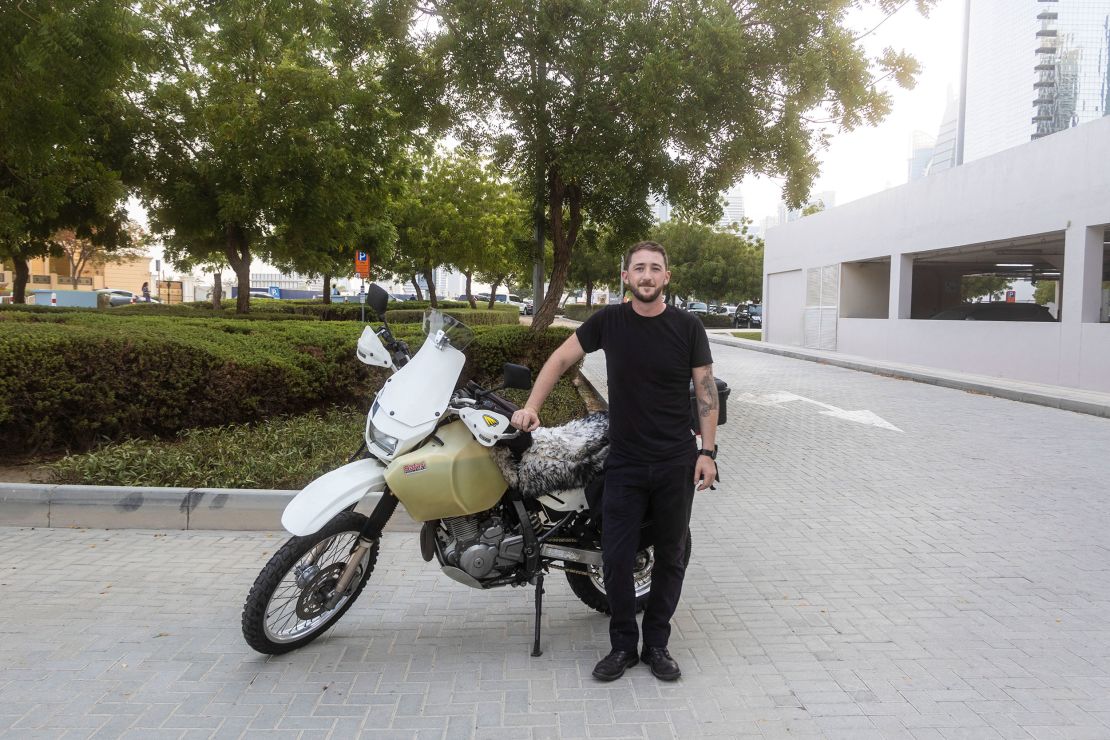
(634, 491)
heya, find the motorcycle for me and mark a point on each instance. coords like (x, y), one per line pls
(499, 507)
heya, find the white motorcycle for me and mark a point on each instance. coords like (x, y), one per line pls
(499, 507)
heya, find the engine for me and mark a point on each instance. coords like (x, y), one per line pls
(480, 545)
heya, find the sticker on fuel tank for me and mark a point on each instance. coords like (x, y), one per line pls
(415, 467)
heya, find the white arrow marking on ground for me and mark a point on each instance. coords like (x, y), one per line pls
(861, 416)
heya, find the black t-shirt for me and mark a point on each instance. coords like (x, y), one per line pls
(648, 361)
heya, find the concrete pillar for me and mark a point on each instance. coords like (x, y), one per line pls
(901, 285)
(1081, 288)
(1082, 278)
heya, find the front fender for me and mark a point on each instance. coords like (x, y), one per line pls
(329, 494)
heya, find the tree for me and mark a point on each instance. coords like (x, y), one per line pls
(1045, 292)
(65, 70)
(456, 210)
(276, 129)
(990, 287)
(611, 102)
(710, 264)
(597, 260)
(81, 252)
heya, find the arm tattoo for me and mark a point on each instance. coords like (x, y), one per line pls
(707, 394)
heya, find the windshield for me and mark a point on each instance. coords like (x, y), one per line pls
(755, 310)
(455, 332)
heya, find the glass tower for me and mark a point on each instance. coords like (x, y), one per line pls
(1034, 67)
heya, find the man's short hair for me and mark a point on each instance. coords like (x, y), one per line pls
(649, 246)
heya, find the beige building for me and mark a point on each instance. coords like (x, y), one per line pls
(54, 272)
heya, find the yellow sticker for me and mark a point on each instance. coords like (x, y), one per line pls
(489, 420)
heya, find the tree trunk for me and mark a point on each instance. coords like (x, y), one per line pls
(217, 289)
(589, 293)
(563, 237)
(469, 290)
(493, 293)
(22, 277)
(327, 289)
(431, 287)
(416, 288)
(239, 256)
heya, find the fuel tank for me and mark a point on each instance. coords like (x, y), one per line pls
(451, 475)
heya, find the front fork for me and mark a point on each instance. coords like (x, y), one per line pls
(369, 537)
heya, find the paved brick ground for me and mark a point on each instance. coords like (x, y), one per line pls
(948, 581)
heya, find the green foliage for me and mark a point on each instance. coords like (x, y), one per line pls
(715, 321)
(84, 377)
(457, 210)
(282, 453)
(470, 317)
(580, 311)
(991, 287)
(615, 101)
(92, 376)
(495, 346)
(285, 452)
(710, 264)
(66, 71)
(755, 335)
(1045, 292)
(280, 130)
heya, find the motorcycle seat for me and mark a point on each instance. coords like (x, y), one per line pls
(558, 458)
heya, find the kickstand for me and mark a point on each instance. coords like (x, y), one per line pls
(536, 652)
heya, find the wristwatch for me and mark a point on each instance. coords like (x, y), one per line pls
(711, 454)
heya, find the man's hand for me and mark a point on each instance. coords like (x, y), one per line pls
(705, 472)
(526, 419)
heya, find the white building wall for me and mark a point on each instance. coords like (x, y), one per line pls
(1059, 183)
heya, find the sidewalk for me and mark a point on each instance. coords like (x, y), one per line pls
(945, 579)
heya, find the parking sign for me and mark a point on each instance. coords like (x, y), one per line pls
(362, 264)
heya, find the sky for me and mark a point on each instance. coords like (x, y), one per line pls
(868, 160)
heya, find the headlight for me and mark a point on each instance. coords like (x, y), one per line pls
(382, 440)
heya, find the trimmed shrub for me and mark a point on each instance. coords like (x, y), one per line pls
(716, 321)
(580, 312)
(69, 383)
(468, 316)
(69, 380)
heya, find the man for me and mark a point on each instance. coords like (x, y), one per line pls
(651, 352)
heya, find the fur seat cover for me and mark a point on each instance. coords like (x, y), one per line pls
(560, 458)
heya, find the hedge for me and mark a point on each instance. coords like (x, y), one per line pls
(579, 311)
(468, 316)
(716, 321)
(69, 380)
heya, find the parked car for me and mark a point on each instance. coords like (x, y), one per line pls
(697, 307)
(748, 317)
(726, 309)
(118, 297)
(260, 293)
(996, 311)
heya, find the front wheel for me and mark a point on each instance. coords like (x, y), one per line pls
(288, 606)
(590, 586)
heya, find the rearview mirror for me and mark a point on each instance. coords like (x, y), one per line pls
(518, 376)
(377, 299)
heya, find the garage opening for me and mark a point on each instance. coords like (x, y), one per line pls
(1104, 307)
(865, 289)
(1010, 280)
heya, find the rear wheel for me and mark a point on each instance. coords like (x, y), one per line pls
(590, 585)
(293, 600)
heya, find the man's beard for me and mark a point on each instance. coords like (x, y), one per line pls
(648, 294)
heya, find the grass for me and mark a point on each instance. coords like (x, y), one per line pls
(755, 335)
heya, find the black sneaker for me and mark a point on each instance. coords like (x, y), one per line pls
(613, 665)
(662, 665)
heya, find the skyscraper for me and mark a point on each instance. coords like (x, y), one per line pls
(733, 209)
(1034, 67)
(921, 152)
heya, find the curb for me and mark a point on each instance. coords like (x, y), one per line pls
(1058, 397)
(134, 507)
